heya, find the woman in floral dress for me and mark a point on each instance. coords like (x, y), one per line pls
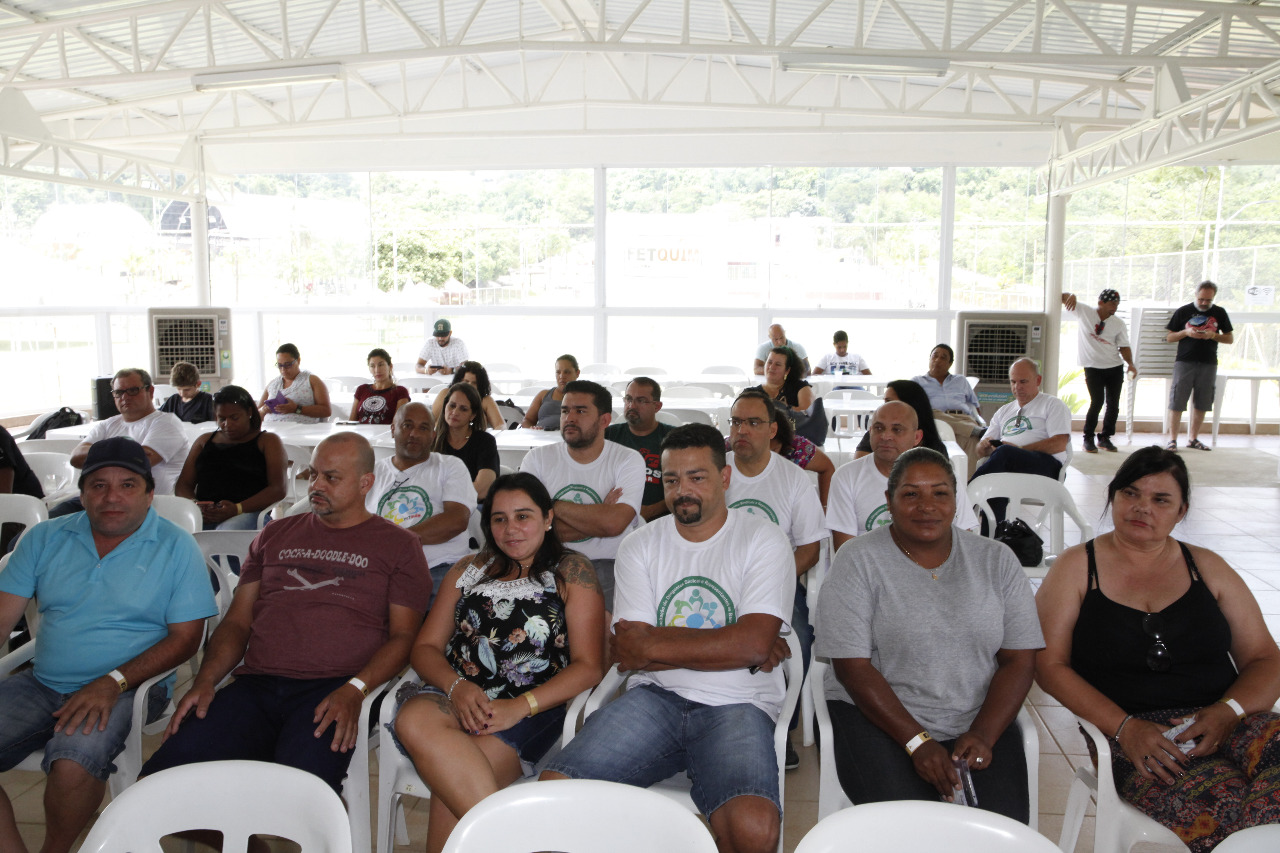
(515, 633)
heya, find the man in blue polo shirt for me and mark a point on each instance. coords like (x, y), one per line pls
(123, 595)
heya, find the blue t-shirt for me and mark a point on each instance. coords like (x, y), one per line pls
(98, 613)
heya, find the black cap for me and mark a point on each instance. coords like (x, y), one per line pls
(118, 452)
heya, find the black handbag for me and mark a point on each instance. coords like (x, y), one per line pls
(1027, 546)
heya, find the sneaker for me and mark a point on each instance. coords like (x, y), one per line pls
(793, 757)
(1089, 446)
(1104, 441)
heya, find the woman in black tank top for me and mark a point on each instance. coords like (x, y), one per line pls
(239, 470)
(1142, 632)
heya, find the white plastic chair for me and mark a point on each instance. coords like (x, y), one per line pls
(1118, 826)
(398, 778)
(677, 787)
(22, 509)
(54, 471)
(181, 511)
(578, 816)
(674, 391)
(236, 798)
(298, 459)
(645, 371)
(419, 383)
(1039, 501)
(668, 417)
(689, 416)
(920, 826)
(831, 797)
(48, 445)
(217, 546)
(1255, 839)
(345, 384)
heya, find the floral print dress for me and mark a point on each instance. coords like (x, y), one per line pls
(510, 635)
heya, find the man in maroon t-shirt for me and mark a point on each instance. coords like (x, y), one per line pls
(327, 606)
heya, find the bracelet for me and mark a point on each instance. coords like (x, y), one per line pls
(456, 682)
(917, 742)
(533, 703)
(1120, 728)
(119, 679)
(1234, 706)
(240, 511)
(359, 685)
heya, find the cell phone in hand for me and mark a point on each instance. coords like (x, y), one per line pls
(965, 795)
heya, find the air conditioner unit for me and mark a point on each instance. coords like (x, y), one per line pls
(988, 342)
(200, 336)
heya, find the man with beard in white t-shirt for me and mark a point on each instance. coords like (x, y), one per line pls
(597, 485)
(430, 494)
(857, 502)
(703, 595)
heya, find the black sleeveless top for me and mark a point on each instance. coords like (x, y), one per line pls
(1109, 647)
(230, 472)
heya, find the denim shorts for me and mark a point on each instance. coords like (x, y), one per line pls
(650, 733)
(531, 738)
(27, 721)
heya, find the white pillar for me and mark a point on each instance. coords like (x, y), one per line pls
(1054, 238)
(200, 248)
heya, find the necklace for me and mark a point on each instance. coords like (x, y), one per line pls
(933, 573)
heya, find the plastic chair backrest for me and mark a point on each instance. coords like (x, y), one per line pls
(1021, 489)
(52, 468)
(1255, 839)
(236, 798)
(908, 826)
(48, 445)
(22, 509)
(181, 511)
(217, 546)
(685, 391)
(300, 506)
(578, 816)
(688, 416)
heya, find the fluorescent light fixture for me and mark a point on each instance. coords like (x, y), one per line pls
(844, 63)
(280, 75)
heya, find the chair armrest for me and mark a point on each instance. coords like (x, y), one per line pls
(16, 658)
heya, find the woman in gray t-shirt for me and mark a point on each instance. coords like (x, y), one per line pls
(932, 633)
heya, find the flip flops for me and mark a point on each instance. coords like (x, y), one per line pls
(1197, 444)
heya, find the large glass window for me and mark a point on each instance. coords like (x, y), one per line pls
(998, 247)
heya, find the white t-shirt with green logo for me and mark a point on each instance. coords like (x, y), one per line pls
(568, 480)
(782, 494)
(410, 497)
(667, 581)
(1044, 417)
(856, 504)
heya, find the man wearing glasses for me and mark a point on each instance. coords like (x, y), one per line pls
(160, 433)
(644, 433)
(1103, 351)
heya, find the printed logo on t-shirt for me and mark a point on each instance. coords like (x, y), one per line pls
(756, 508)
(1016, 425)
(1202, 323)
(374, 403)
(696, 602)
(405, 505)
(578, 494)
(879, 517)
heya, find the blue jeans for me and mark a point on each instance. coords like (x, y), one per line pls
(649, 733)
(243, 521)
(27, 721)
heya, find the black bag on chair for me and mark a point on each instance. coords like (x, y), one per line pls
(1027, 546)
(813, 426)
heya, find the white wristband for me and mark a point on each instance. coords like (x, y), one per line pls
(359, 685)
(1235, 706)
(119, 679)
(917, 742)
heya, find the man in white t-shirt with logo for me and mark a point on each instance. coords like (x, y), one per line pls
(857, 502)
(842, 362)
(1029, 434)
(1103, 352)
(160, 433)
(431, 494)
(597, 485)
(703, 595)
(766, 485)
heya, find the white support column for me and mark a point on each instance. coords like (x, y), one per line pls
(200, 248)
(600, 324)
(946, 256)
(102, 336)
(1055, 232)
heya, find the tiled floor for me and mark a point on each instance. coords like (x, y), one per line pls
(1238, 523)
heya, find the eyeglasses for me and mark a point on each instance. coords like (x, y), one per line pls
(285, 365)
(639, 401)
(1098, 327)
(127, 392)
(1159, 659)
(754, 423)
